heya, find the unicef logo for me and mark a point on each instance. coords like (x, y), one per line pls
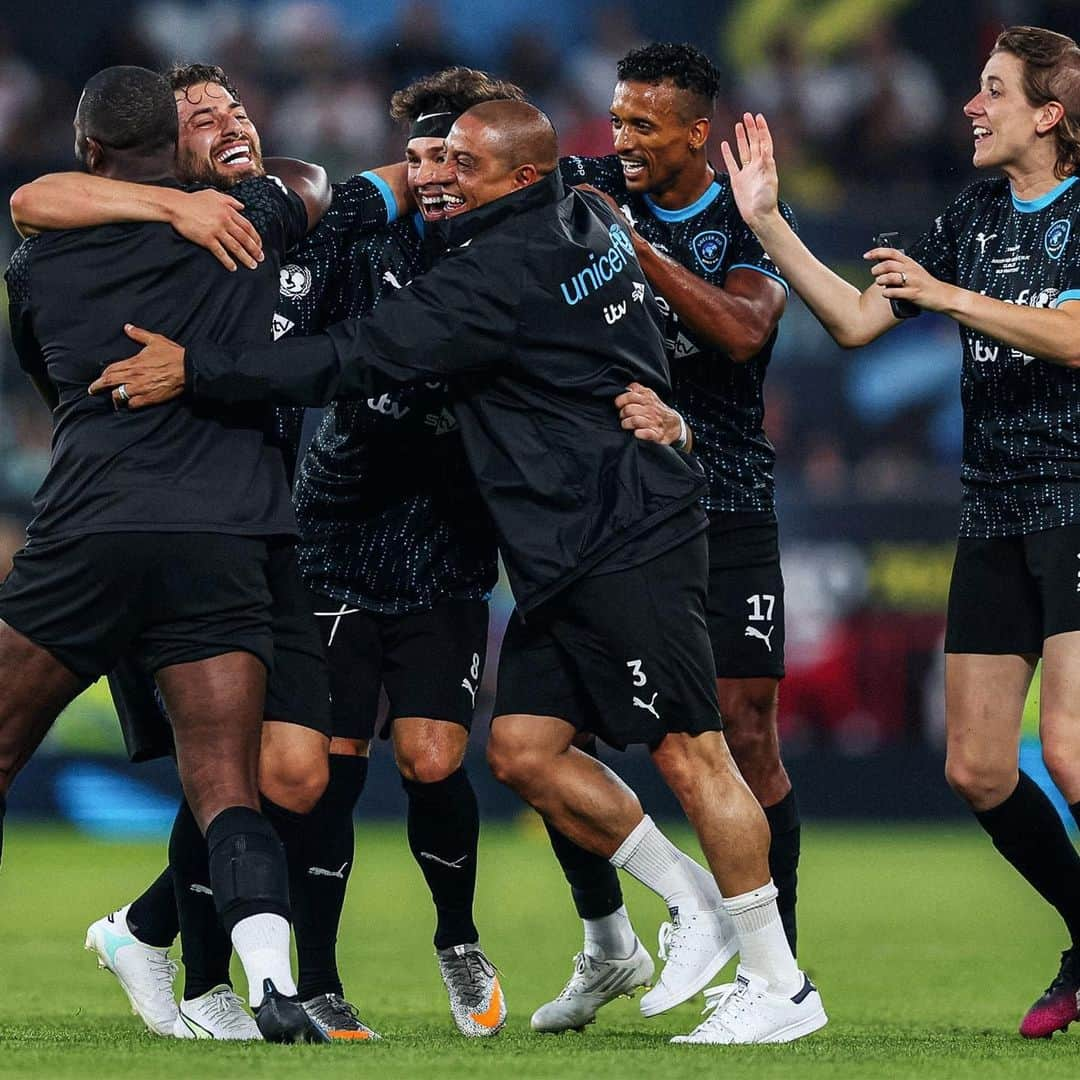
(709, 248)
(295, 280)
(1057, 236)
(618, 236)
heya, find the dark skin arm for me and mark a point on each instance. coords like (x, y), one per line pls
(737, 318)
(296, 174)
(309, 181)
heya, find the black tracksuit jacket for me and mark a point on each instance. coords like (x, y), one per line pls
(540, 314)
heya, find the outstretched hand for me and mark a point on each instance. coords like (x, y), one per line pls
(213, 220)
(152, 376)
(755, 183)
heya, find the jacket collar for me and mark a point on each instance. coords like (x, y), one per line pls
(455, 232)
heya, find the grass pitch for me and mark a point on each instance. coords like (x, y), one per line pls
(927, 949)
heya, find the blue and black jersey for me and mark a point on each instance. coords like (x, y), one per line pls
(1021, 461)
(721, 400)
(390, 517)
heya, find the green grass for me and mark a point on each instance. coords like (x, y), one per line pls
(927, 949)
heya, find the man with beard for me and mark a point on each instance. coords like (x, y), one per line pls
(300, 791)
(396, 546)
(127, 510)
(600, 533)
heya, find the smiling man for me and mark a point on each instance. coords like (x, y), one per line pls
(722, 299)
(595, 645)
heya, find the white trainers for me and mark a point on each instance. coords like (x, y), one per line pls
(695, 947)
(145, 972)
(594, 983)
(217, 1014)
(746, 1012)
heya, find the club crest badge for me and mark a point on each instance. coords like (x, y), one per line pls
(1057, 236)
(709, 248)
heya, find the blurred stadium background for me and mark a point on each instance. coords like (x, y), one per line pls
(865, 100)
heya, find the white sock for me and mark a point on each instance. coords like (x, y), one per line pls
(763, 948)
(659, 865)
(262, 943)
(610, 937)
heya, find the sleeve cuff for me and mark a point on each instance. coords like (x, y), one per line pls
(1065, 297)
(383, 189)
(761, 270)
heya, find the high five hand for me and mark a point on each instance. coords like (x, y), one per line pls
(754, 180)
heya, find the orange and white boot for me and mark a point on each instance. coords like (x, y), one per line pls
(476, 998)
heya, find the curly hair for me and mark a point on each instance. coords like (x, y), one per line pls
(185, 76)
(454, 89)
(1051, 73)
(688, 68)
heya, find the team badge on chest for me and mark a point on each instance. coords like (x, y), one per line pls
(709, 248)
(1057, 236)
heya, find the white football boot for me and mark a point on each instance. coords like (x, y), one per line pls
(144, 971)
(745, 1011)
(217, 1014)
(594, 983)
(695, 948)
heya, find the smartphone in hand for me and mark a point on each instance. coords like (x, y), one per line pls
(902, 309)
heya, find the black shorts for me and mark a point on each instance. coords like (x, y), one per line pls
(624, 655)
(745, 605)
(166, 598)
(430, 663)
(297, 688)
(1010, 593)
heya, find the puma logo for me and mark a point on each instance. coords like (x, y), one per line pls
(457, 864)
(753, 632)
(318, 871)
(648, 706)
(200, 889)
(466, 685)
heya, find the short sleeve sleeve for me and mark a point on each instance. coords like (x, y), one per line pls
(748, 254)
(277, 213)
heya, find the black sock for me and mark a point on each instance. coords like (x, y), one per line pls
(594, 882)
(205, 945)
(152, 916)
(320, 852)
(248, 872)
(786, 828)
(444, 829)
(1026, 829)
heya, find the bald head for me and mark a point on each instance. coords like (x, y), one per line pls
(494, 149)
(517, 133)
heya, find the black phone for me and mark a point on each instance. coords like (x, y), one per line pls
(902, 309)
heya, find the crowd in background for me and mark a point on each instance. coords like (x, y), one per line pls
(864, 101)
